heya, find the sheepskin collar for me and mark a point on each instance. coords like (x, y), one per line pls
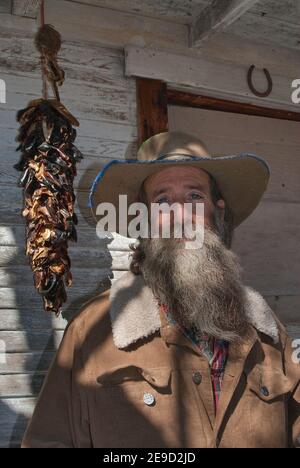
(135, 314)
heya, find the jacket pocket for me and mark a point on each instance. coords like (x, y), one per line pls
(268, 391)
(136, 405)
(269, 384)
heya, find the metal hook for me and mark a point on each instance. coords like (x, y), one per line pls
(251, 85)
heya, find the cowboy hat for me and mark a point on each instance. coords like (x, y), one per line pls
(242, 179)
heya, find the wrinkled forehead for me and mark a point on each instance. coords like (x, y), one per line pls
(176, 176)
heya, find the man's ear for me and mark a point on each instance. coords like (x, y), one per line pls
(221, 207)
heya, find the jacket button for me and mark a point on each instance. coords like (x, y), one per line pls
(197, 378)
(148, 399)
(264, 391)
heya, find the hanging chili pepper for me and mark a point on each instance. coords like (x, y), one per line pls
(48, 165)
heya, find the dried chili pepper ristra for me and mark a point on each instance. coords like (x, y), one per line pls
(48, 165)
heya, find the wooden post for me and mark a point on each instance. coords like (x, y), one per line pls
(152, 108)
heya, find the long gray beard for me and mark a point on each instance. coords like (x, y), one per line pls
(201, 287)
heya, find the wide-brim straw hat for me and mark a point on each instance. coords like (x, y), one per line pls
(242, 179)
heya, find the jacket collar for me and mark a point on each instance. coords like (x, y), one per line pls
(134, 311)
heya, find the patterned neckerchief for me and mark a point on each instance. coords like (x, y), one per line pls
(215, 351)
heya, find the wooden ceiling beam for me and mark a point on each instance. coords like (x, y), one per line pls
(216, 17)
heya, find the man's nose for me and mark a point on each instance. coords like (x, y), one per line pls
(182, 211)
(178, 214)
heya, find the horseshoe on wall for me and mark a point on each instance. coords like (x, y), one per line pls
(251, 85)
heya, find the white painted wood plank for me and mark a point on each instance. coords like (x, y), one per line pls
(81, 257)
(82, 100)
(216, 17)
(25, 298)
(228, 47)
(269, 29)
(110, 27)
(14, 415)
(14, 236)
(29, 319)
(17, 26)
(27, 8)
(21, 385)
(209, 77)
(22, 341)
(90, 64)
(95, 86)
(23, 363)
(272, 9)
(178, 11)
(96, 131)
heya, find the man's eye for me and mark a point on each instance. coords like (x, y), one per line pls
(162, 200)
(196, 196)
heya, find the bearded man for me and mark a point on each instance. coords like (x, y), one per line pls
(179, 353)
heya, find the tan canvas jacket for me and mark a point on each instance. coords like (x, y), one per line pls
(124, 377)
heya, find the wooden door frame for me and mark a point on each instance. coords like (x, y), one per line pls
(153, 98)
